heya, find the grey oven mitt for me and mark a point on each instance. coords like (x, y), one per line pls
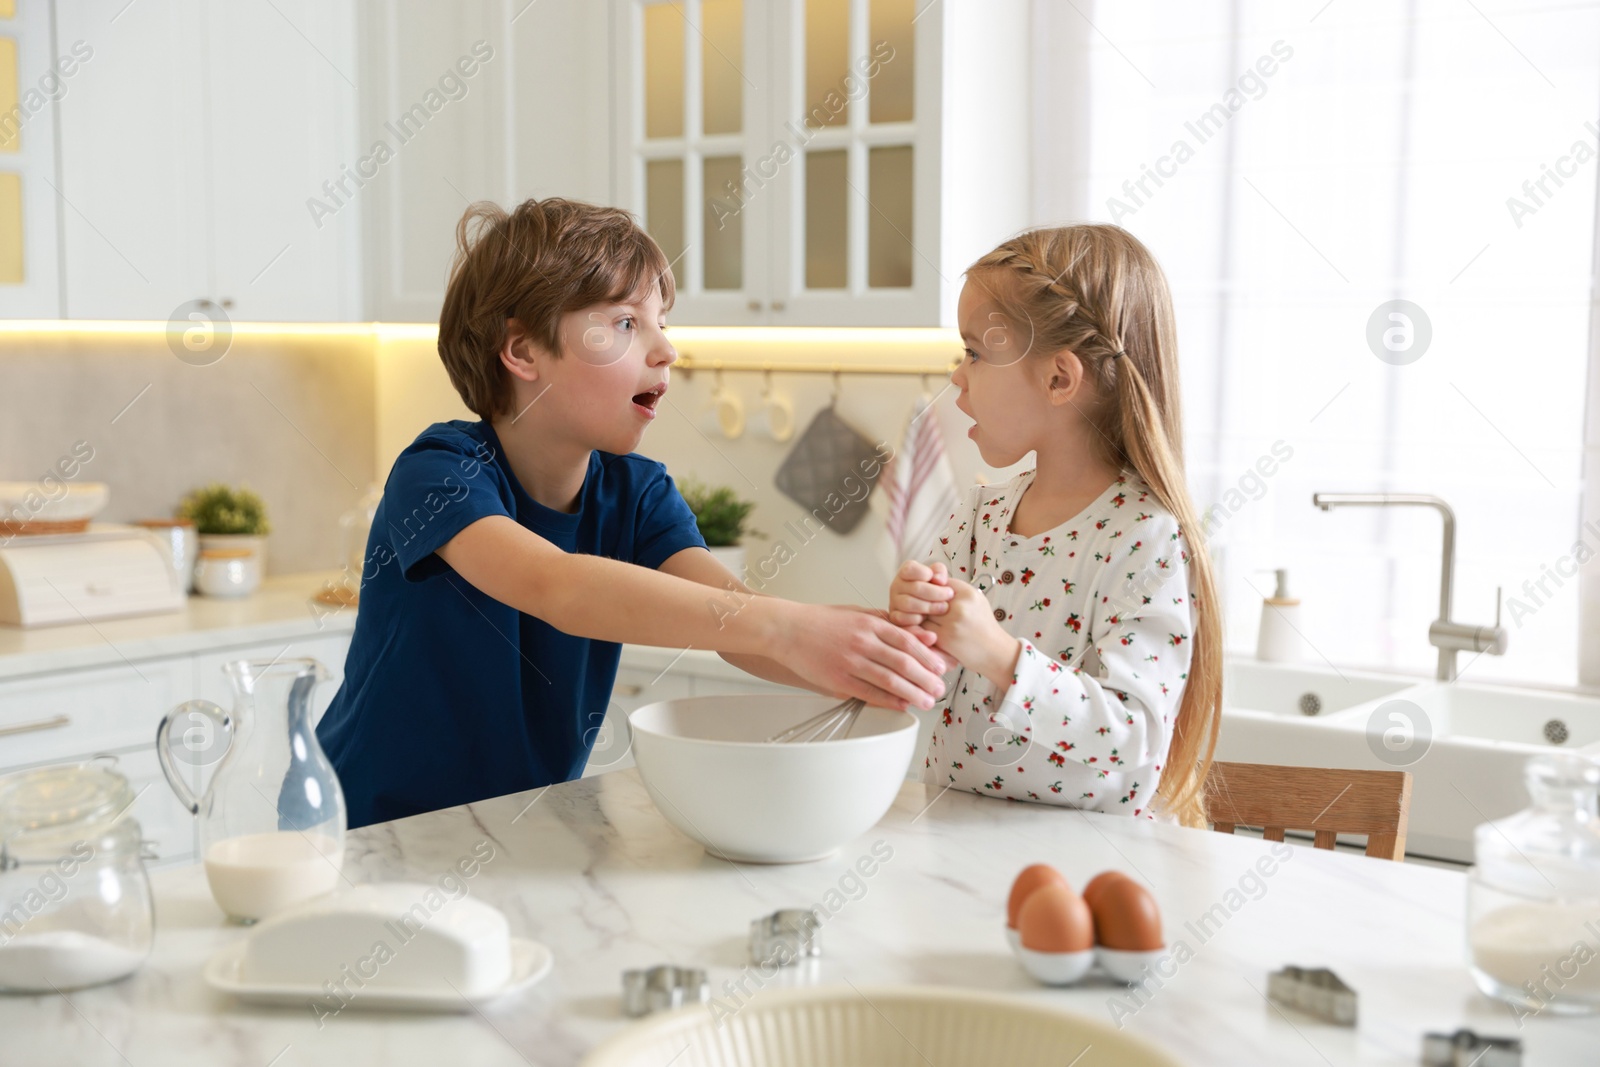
(827, 471)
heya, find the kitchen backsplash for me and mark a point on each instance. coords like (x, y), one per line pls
(290, 414)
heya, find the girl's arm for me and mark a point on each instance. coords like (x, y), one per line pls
(841, 652)
(1115, 705)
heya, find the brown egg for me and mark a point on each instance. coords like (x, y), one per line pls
(1031, 878)
(1055, 919)
(1126, 917)
(1097, 885)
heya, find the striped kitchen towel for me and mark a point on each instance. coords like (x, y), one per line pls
(919, 489)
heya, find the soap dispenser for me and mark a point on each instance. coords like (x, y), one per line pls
(1279, 639)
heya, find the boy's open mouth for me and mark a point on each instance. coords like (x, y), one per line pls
(647, 400)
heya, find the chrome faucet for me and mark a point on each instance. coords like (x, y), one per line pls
(1447, 636)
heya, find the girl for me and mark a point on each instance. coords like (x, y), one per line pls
(1077, 598)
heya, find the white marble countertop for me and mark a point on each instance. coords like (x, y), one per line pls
(593, 871)
(280, 609)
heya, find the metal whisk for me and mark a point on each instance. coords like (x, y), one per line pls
(836, 722)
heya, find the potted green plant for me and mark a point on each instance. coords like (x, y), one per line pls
(232, 527)
(722, 517)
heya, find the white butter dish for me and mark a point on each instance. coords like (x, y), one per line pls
(530, 961)
(399, 943)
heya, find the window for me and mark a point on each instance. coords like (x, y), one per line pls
(1297, 168)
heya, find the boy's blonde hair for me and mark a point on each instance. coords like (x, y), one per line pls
(535, 263)
(1094, 289)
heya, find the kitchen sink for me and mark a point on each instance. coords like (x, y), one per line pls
(1509, 716)
(1464, 745)
(1299, 691)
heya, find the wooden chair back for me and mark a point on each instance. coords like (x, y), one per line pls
(1325, 801)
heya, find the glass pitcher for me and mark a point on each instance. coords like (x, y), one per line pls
(1533, 898)
(272, 817)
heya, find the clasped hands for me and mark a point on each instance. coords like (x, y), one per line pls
(926, 600)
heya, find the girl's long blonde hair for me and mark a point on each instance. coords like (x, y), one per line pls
(1094, 289)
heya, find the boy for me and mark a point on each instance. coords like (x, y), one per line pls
(511, 555)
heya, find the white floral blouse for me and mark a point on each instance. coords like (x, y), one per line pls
(1102, 607)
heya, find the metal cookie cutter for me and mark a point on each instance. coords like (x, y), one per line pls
(1315, 991)
(662, 989)
(1467, 1049)
(786, 936)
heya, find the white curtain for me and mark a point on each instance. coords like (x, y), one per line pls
(1296, 165)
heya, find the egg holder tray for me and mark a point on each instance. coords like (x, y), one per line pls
(1067, 968)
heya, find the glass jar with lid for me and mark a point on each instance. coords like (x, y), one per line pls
(1533, 899)
(75, 902)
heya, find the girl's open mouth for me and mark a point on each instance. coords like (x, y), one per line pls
(646, 401)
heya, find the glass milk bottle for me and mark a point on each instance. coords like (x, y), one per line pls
(1533, 899)
(272, 817)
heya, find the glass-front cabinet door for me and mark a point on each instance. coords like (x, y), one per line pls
(784, 153)
(855, 226)
(692, 101)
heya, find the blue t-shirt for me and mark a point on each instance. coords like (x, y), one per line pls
(450, 696)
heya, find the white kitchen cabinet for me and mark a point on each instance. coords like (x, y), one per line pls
(281, 91)
(190, 146)
(113, 711)
(134, 198)
(474, 100)
(54, 717)
(28, 201)
(796, 160)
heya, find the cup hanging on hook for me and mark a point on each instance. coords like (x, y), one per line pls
(777, 409)
(725, 410)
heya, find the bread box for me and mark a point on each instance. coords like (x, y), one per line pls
(104, 572)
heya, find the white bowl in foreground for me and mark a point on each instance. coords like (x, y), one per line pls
(909, 1026)
(711, 772)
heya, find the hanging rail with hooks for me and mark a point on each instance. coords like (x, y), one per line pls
(688, 364)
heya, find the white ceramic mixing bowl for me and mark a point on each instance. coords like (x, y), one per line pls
(711, 772)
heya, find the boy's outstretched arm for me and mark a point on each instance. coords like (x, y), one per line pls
(698, 565)
(839, 651)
